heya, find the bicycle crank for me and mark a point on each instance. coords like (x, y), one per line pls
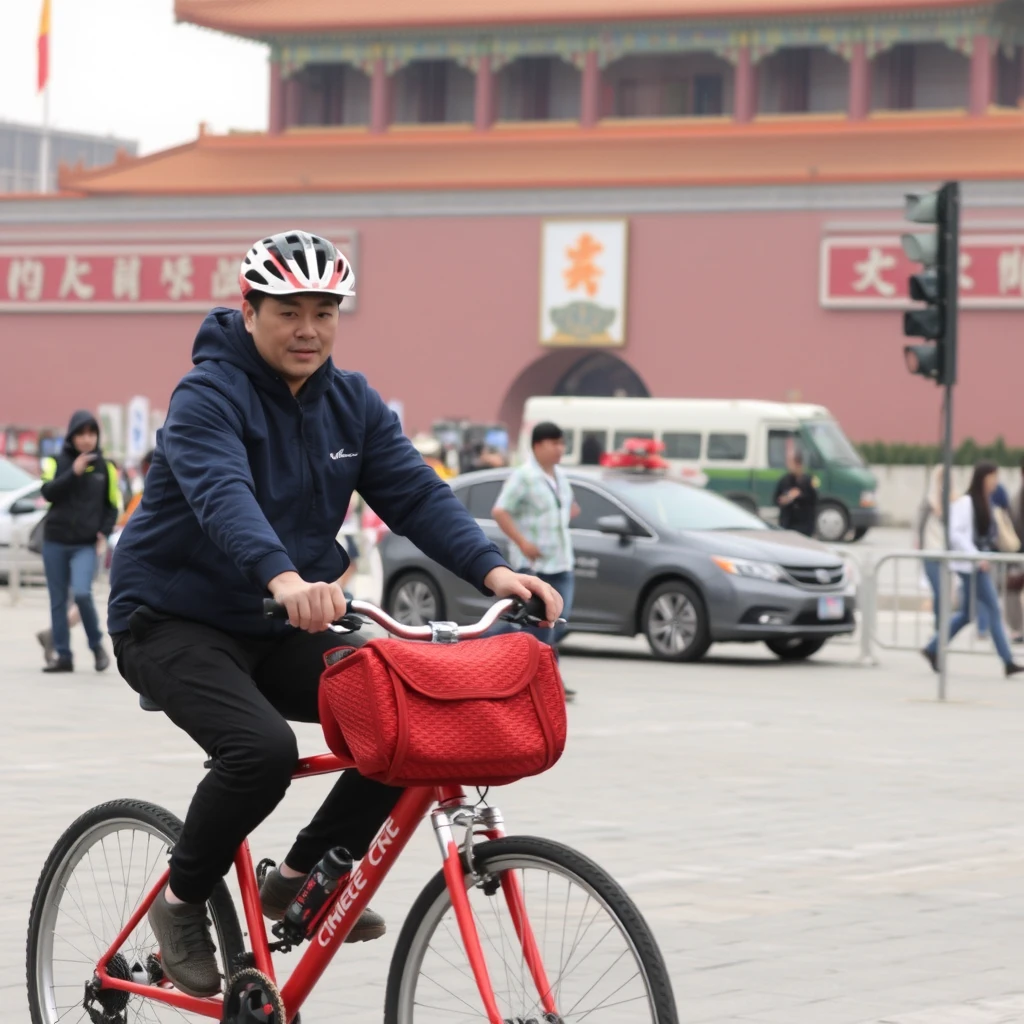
(252, 998)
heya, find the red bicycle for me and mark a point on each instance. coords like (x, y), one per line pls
(512, 929)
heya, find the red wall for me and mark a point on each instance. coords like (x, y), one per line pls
(720, 305)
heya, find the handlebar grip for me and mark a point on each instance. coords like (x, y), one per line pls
(533, 609)
(273, 610)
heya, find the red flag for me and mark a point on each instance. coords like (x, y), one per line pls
(43, 45)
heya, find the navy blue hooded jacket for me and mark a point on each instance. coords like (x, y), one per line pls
(249, 481)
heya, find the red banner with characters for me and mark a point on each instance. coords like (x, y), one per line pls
(131, 278)
(871, 272)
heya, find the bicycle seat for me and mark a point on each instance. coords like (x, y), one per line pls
(148, 705)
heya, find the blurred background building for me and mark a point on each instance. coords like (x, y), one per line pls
(20, 146)
(557, 197)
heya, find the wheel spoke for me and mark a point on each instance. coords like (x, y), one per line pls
(594, 968)
(102, 875)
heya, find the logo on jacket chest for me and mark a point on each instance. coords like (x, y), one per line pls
(342, 454)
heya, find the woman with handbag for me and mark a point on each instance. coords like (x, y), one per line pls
(972, 529)
(84, 499)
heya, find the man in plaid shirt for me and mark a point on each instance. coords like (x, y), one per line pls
(534, 510)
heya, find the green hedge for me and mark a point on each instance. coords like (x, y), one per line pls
(881, 453)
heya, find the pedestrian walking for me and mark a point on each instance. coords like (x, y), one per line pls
(797, 497)
(534, 510)
(972, 529)
(83, 492)
(930, 534)
(1015, 578)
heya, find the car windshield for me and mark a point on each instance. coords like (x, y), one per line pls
(832, 444)
(678, 506)
(13, 476)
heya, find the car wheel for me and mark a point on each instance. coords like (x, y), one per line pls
(415, 599)
(794, 648)
(675, 622)
(832, 522)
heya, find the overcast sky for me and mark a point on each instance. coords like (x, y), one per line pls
(124, 68)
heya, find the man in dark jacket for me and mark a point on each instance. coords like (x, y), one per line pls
(264, 443)
(83, 492)
(797, 497)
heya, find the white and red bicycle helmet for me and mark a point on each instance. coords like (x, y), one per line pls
(296, 261)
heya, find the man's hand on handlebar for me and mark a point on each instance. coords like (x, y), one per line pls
(503, 582)
(311, 606)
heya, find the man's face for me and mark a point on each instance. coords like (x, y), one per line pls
(550, 452)
(796, 466)
(85, 440)
(294, 333)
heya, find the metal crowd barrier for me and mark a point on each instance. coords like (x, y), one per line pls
(901, 617)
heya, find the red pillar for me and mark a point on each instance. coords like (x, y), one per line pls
(590, 91)
(745, 91)
(981, 76)
(292, 102)
(484, 99)
(275, 120)
(379, 100)
(859, 103)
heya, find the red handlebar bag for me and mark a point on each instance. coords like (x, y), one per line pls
(478, 713)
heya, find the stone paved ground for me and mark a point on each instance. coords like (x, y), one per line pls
(818, 844)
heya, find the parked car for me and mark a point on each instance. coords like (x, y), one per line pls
(684, 566)
(12, 476)
(20, 510)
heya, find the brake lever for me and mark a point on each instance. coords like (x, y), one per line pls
(348, 623)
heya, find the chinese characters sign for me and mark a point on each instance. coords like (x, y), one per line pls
(871, 272)
(583, 283)
(130, 278)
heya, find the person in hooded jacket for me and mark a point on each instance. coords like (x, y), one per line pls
(264, 443)
(83, 491)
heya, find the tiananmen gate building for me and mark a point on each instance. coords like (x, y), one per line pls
(675, 197)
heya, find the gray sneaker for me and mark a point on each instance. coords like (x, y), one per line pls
(187, 953)
(277, 894)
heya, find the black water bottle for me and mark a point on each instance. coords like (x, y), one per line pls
(317, 889)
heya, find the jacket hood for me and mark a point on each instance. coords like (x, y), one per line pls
(80, 418)
(223, 338)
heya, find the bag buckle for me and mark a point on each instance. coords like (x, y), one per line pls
(444, 632)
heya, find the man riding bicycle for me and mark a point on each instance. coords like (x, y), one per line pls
(264, 443)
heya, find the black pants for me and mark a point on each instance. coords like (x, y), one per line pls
(232, 694)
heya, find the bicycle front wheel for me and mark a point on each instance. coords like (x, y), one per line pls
(94, 879)
(599, 956)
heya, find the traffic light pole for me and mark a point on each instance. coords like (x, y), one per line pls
(944, 574)
(950, 196)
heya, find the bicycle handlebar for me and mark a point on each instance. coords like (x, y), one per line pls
(439, 632)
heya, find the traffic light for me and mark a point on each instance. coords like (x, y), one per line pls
(936, 285)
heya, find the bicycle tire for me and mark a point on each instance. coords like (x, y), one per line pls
(540, 851)
(163, 822)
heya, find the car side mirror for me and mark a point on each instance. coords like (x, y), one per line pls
(617, 524)
(23, 506)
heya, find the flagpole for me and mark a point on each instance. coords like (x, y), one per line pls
(44, 143)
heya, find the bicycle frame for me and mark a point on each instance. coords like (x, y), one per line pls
(349, 901)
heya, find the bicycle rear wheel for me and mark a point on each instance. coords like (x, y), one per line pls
(95, 877)
(600, 957)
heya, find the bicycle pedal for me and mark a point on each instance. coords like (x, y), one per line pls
(263, 869)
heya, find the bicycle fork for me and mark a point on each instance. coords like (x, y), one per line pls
(455, 813)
